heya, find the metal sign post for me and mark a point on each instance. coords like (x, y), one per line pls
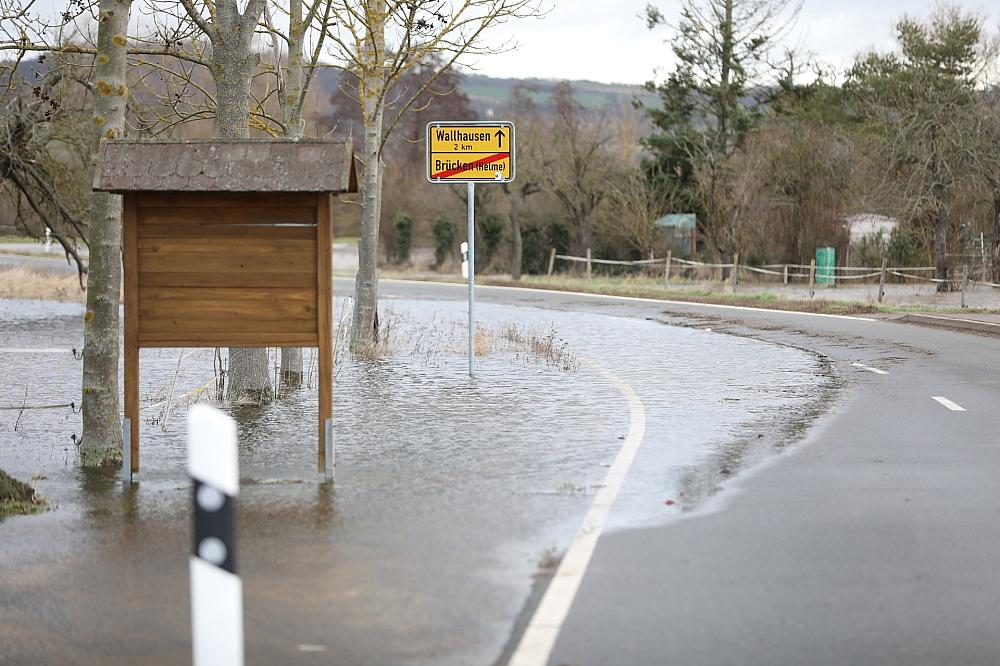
(470, 152)
(472, 279)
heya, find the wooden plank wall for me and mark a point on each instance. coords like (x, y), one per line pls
(227, 270)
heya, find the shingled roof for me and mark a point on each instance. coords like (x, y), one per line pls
(226, 166)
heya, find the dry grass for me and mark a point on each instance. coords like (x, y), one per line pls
(430, 340)
(37, 285)
(484, 341)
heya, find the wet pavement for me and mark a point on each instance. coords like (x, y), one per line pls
(449, 494)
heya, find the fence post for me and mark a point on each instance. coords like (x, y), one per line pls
(590, 273)
(881, 280)
(666, 270)
(965, 281)
(786, 274)
(735, 277)
(812, 278)
(552, 261)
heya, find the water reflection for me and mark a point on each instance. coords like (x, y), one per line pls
(447, 492)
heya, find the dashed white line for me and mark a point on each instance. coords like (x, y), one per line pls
(869, 368)
(948, 403)
(538, 639)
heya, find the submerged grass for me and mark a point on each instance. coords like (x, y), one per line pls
(18, 498)
(430, 340)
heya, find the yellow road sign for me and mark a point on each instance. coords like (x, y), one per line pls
(470, 152)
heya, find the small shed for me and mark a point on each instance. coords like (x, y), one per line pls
(227, 244)
(863, 225)
(681, 231)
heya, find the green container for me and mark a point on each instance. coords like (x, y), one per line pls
(826, 265)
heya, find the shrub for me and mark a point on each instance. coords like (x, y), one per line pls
(538, 241)
(491, 228)
(444, 240)
(402, 224)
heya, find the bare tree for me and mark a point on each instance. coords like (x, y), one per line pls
(293, 86)
(635, 203)
(578, 169)
(378, 41)
(44, 156)
(101, 430)
(524, 113)
(981, 151)
(22, 32)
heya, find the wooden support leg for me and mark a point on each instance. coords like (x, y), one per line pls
(324, 310)
(132, 405)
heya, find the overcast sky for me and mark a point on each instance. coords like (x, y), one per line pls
(605, 40)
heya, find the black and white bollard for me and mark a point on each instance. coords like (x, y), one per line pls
(216, 590)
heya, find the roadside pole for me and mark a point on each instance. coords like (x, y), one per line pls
(472, 278)
(216, 589)
(881, 280)
(471, 152)
(965, 281)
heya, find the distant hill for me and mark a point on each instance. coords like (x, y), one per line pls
(486, 93)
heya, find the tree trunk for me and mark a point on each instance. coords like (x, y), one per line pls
(940, 213)
(291, 107)
(517, 250)
(291, 367)
(517, 242)
(249, 376)
(102, 433)
(941, 247)
(233, 65)
(371, 95)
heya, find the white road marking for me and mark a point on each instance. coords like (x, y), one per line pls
(869, 368)
(948, 403)
(309, 647)
(634, 299)
(538, 639)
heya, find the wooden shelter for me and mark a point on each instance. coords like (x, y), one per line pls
(227, 244)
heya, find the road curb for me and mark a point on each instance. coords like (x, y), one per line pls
(953, 323)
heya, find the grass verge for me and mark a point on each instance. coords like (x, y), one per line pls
(637, 287)
(18, 498)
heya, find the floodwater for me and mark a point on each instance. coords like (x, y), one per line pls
(449, 491)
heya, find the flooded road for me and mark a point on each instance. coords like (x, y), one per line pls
(450, 492)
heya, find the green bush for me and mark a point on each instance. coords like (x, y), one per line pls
(491, 228)
(444, 240)
(402, 224)
(906, 248)
(534, 250)
(537, 242)
(903, 247)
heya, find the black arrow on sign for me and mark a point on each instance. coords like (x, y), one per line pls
(500, 136)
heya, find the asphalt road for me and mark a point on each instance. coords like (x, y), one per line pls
(874, 540)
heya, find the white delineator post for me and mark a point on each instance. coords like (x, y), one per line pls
(216, 590)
